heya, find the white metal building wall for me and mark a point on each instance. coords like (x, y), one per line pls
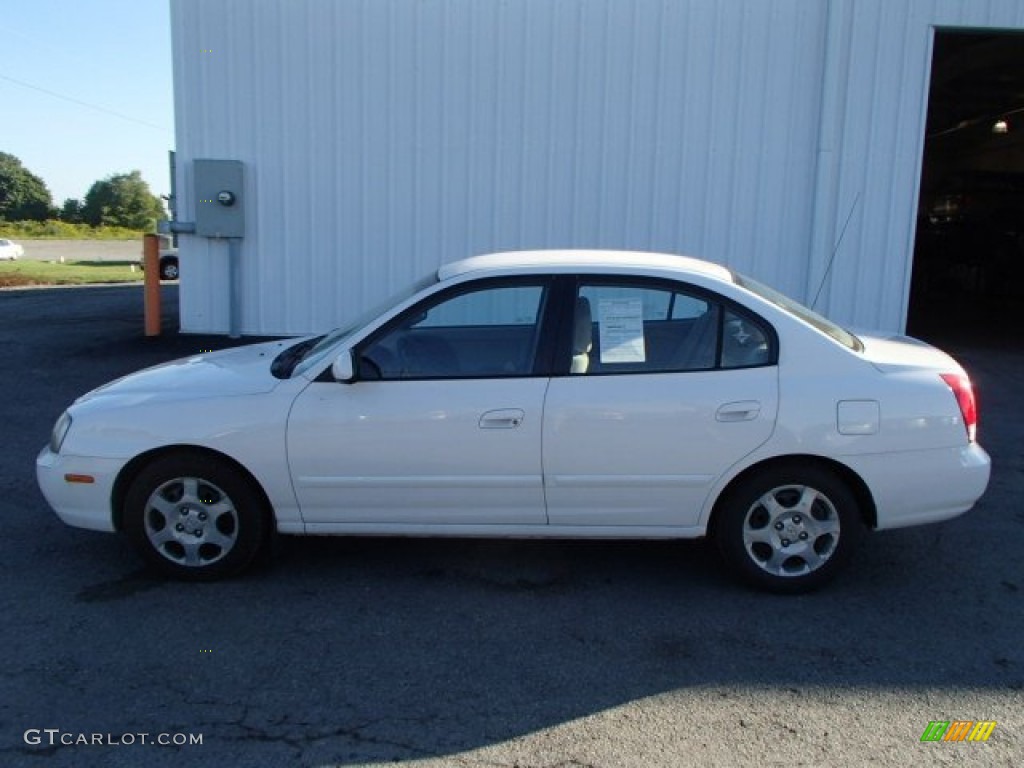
(384, 137)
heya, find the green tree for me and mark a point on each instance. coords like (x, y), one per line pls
(23, 195)
(122, 200)
(71, 211)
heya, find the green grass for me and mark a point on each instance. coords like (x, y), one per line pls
(62, 230)
(16, 273)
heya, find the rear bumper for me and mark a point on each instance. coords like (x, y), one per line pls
(918, 487)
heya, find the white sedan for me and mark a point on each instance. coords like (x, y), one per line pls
(10, 250)
(582, 394)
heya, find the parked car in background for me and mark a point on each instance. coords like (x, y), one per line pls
(10, 250)
(990, 199)
(582, 394)
(971, 238)
(169, 264)
(168, 259)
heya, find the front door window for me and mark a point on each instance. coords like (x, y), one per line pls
(480, 333)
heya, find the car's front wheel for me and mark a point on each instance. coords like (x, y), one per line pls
(788, 528)
(194, 516)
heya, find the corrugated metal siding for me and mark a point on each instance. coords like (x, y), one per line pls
(384, 137)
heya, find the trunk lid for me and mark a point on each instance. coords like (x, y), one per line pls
(898, 353)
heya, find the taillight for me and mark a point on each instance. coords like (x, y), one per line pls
(961, 387)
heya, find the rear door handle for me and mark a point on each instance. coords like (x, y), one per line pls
(742, 410)
(504, 418)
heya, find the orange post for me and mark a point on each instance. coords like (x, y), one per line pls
(151, 300)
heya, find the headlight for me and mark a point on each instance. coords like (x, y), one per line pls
(60, 431)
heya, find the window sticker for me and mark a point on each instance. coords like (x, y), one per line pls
(621, 324)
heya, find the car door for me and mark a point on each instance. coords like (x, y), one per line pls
(443, 424)
(668, 386)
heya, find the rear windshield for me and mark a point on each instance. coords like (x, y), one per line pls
(809, 316)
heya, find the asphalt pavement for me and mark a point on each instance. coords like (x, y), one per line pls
(422, 653)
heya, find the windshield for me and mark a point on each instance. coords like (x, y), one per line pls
(809, 316)
(318, 352)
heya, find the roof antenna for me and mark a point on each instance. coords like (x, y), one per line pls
(835, 250)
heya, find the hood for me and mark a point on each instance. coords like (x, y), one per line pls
(893, 353)
(238, 371)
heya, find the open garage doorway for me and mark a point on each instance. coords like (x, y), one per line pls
(968, 273)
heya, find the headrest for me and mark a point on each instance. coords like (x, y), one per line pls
(583, 334)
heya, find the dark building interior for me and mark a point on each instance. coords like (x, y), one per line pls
(968, 278)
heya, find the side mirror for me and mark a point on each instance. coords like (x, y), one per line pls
(343, 368)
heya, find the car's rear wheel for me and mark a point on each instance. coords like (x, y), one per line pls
(788, 528)
(169, 269)
(195, 517)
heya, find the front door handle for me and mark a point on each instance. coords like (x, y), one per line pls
(743, 410)
(504, 418)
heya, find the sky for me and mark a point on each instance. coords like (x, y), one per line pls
(86, 91)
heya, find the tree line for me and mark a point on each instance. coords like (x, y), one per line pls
(120, 200)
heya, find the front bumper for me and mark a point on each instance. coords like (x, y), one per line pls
(82, 505)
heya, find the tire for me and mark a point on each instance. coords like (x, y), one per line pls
(788, 528)
(195, 517)
(169, 269)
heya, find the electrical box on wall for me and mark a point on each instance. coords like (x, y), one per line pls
(218, 195)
